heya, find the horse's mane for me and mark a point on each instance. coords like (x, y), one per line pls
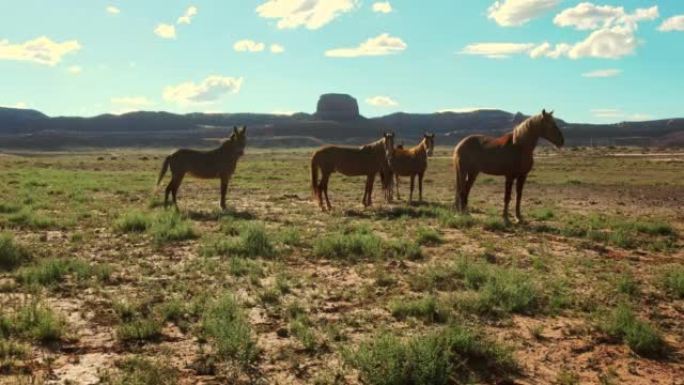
(373, 146)
(526, 128)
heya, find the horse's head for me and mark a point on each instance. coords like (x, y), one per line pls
(238, 138)
(550, 130)
(429, 140)
(388, 141)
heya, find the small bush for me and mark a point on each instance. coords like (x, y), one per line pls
(252, 242)
(52, 271)
(29, 219)
(428, 237)
(430, 359)
(170, 226)
(495, 224)
(12, 255)
(228, 330)
(626, 284)
(300, 327)
(673, 280)
(427, 309)
(136, 330)
(639, 335)
(458, 221)
(8, 208)
(240, 267)
(359, 245)
(11, 350)
(142, 371)
(36, 322)
(133, 222)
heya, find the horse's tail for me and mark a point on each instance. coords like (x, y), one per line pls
(314, 178)
(164, 168)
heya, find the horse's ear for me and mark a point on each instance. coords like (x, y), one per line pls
(243, 129)
(551, 113)
(544, 112)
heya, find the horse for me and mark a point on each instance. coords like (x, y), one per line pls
(510, 155)
(367, 160)
(217, 163)
(413, 162)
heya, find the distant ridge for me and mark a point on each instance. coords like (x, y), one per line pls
(336, 120)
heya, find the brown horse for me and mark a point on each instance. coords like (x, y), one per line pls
(510, 155)
(217, 163)
(367, 160)
(413, 162)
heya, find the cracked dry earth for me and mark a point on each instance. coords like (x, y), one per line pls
(580, 249)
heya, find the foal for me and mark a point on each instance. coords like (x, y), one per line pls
(510, 155)
(413, 162)
(367, 160)
(218, 163)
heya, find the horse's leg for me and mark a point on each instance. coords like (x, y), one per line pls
(176, 182)
(366, 192)
(324, 190)
(413, 182)
(397, 178)
(460, 196)
(169, 188)
(370, 189)
(224, 190)
(519, 183)
(469, 185)
(507, 196)
(420, 186)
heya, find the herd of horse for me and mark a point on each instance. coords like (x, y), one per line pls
(510, 155)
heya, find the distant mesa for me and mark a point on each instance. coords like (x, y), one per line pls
(338, 107)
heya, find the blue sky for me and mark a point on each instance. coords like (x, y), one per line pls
(606, 61)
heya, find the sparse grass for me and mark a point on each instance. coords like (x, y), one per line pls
(134, 222)
(33, 321)
(428, 237)
(640, 336)
(673, 280)
(252, 242)
(225, 324)
(139, 329)
(301, 328)
(12, 350)
(12, 255)
(627, 284)
(495, 224)
(171, 226)
(29, 219)
(456, 221)
(427, 309)
(141, 371)
(8, 208)
(357, 245)
(51, 271)
(433, 358)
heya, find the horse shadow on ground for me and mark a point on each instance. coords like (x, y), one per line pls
(216, 215)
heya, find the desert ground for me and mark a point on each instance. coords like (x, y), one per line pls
(100, 284)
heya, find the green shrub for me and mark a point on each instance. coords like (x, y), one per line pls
(142, 371)
(12, 255)
(428, 237)
(673, 280)
(51, 271)
(29, 219)
(458, 221)
(360, 244)
(8, 208)
(37, 322)
(639, 335)
(170, 226)
(433, 358)
(226, 326)
(139, 329)
(252, 242)
(133, 222)
(427, 309)
(300, 327)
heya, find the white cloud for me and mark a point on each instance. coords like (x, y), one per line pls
(277, 48)
(496, 50)
(377, 46)
(209, 90)
(462, 110)
(587, 16)
(248, 45)
(75, 70)
(132, 101)
(607, 73)
(41, 50)
(675, 23)
(513, 13)
(382, 101)
(312, 14)
(382, 7)
(188, 15)
(165, 31)
(613, 35)
(113, 10)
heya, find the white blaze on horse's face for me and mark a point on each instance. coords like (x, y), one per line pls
(430, 143)
(389, 144)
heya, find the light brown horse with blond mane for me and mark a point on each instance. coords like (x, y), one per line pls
(510, 155)
(413, 162)
(367, 160)
(218, 163)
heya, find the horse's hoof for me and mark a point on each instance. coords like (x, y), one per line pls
(520, 220)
